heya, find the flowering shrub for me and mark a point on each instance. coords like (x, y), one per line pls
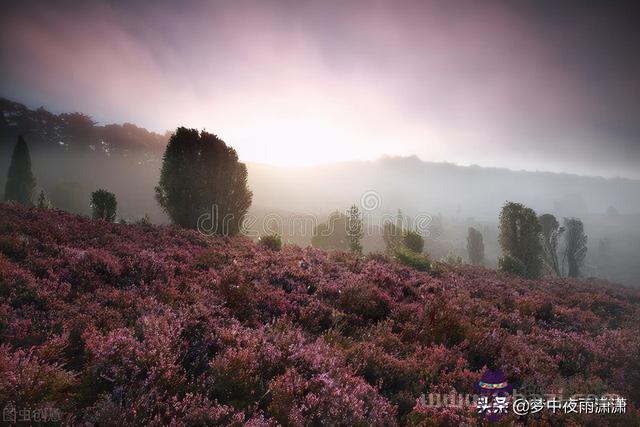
(157, 325)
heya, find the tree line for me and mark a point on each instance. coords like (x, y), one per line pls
(202, 177)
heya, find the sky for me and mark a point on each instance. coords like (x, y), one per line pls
(540, 85)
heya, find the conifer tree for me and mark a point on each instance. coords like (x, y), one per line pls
(21, 183)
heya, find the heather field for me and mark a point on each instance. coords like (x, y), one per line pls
(156, 325)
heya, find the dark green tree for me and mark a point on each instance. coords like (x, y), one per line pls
(520, 237)
(550, 232)
(202, 183)
(575, 245)
(21, 183)
(475, 246)
(354, 229)
(104, 205)
(413, 241)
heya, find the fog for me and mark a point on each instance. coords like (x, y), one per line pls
(550, 87)
(71, 157)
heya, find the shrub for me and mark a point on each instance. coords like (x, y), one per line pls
(13, 246)
(510, 264)
(366, 301)
(144, 221)
(412, 259)
(272, 242)
(413, 241)
(43, 201)
(453, 259)
(104, 205)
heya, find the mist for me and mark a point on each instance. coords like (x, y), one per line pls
(298, 83)
(72, 157)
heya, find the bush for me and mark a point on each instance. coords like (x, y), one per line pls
(410, 258)
(43, 201)
(104, 205)
(272, 241)
(453, 259)
(510, 264)
(414, 242)
(366, 301)
(145, 220)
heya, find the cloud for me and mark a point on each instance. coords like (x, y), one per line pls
(305, 82)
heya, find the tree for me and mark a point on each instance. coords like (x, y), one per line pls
(436, 229)
(392, 234)
(43, 201)
(510, 264)
(575, 245)
(331, 234)
(354, 229)
(475, 246)
(104, 205)
(202, 183)
(551, 231)
(519, 237)
(21, 183)
(413, 241)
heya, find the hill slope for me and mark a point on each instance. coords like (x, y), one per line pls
(108, 322)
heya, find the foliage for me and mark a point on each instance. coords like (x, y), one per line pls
(393, 233)
(453, 259)
(158, 325)
(519, 237)
(354, 229)
(332, 235)
(412, 259)
(271, 241)
(21, 183)
(145, 220)
(513, 265)
(43, 201)
(550, 234)
(413, 241)
(104, 205)
(475, 246)
(202, 183)
(575, 245)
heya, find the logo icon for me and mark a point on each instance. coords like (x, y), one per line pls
(494, 391)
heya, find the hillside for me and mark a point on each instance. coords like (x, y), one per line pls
(156, 325)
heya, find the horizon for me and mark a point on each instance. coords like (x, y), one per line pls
(552, 88)
(380, 158)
